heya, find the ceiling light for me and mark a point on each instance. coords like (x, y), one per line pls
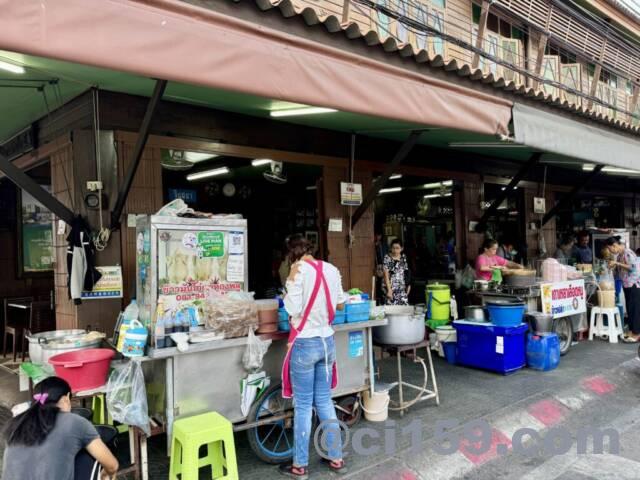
(312, 187)
(10, 67)
(438, 195)
(258, 162)
(208, 173)
(589, 168)
(486, 145)
(293, 112)
(395, 176)
(391, 190)
(195, 157)
(446, 183)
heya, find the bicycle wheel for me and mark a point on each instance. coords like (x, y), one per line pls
(273, 441)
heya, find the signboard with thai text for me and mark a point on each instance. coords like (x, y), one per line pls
(562, 299)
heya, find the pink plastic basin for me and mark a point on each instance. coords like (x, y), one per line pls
(83, 369)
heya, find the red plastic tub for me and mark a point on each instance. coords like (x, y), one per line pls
(83, 369)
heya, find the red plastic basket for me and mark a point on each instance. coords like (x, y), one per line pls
(83, 369)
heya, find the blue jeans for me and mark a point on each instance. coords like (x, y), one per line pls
(310, 370)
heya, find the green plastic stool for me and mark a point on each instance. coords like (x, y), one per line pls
(189, 434)
(98, 407)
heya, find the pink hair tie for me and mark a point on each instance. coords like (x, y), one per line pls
(41, 398)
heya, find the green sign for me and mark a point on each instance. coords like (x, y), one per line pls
(211, 244)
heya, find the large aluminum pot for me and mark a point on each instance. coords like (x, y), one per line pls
(403, 328)
(540, 322)
(475, 313)
(45, 345)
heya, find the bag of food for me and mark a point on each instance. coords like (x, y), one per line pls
(127, 396)
(255, 352)
(232, 315)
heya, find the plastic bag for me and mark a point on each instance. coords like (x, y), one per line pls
(255, 352)
(468, 277)
(175, 208)
(232, 315)
(127, 396)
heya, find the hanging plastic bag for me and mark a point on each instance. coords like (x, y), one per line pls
(468, 277)
(255, 352)
(127, 396)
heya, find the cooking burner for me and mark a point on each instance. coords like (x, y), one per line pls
(525, 291)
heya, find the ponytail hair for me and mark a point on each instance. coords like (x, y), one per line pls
(32, 427)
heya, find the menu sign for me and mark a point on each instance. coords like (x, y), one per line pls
(562, 299)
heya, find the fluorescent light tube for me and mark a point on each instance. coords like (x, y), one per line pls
(258, 162)
(195, 157)
(312, 187)
(486, 145)
(446, 183)
(10, 67)
(293, 112)
(395, 176)
(589, 168)
(208, 173)
(437, 195)
(391, 190)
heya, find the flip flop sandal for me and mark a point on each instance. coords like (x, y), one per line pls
(288, 470)
(629, 339)
(337, 466)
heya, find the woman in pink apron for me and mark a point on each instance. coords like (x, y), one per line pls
(314, 291)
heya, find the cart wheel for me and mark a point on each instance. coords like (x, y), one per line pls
(273, 442)
(564, 329)
(348, 410)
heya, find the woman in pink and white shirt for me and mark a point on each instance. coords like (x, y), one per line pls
(489, 261)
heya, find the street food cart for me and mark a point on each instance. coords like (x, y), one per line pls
(181, 260)
(565, 301)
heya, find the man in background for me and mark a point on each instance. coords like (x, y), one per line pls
(582, 252)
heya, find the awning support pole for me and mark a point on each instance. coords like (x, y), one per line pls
(26, 183)
(379, 184)
(571, 195)
(141, 142)
(493, 208)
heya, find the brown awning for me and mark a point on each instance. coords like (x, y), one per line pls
(176, 41)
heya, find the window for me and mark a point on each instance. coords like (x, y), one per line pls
(382, 21)
(476, 11)
(431, 14)
(493, 23)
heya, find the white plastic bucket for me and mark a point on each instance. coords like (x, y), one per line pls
(376, 408)
(444, 334)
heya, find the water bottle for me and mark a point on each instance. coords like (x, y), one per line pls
(179, 322)
(185, 321)
(168, 329)
(159, 326)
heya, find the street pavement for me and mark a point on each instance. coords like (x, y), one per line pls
(597, 386)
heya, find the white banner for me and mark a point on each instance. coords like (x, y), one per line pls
(562, 299)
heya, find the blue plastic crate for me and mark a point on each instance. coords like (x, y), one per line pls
(357, 308)
(357, 317)
(341, 317)
(500, 349)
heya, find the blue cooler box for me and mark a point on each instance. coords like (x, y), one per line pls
(500, 349)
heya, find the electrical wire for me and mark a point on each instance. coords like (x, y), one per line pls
(420, 28)
(100, 239)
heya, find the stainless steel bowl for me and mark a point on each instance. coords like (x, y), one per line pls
(475, 313)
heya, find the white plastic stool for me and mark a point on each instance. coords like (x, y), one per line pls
(614, 323)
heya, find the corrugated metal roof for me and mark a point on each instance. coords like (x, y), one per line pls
(625, 9)
(353, 31)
